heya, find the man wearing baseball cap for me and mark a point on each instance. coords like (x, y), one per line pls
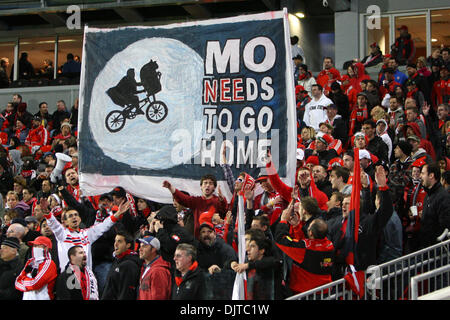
(38, 136)
(404, 46)
(38, 277)
(155, 282)
(10, 267)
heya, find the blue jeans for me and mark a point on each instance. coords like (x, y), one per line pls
(101, 272)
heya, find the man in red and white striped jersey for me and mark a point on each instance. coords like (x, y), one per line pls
(70, 234)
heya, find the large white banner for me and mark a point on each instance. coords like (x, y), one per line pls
(161, 103)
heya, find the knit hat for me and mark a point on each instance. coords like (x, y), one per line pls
(11, 242)
(167, 213)
(405, 147)
(335, 162)
(325, 138)
(313, 160)
(154, 242)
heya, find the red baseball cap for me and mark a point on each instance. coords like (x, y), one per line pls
(403, 27)
(41, 240)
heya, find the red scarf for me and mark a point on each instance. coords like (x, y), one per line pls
(125, 253)
(411, 93)
(306, 75)
(179, 280)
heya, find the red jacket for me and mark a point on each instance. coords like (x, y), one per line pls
(391, 87)
(285, 191)
(155, 282)
(37, 137)
(326, 77)
(199, 204)
(39, 287)
(312, 259)
(440, 92)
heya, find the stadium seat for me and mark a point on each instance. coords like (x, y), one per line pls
(19, 83)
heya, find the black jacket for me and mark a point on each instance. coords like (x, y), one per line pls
(435, 215)
(217, 254)
(370, 228)
(379, 148)
(67, 286)
(170, 237)
(341, 101)
(123, 278)
(6, 179)
(191, 287)
(9, 270)
(266, 282)
(340, 130)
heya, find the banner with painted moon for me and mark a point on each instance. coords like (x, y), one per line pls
(161, 103)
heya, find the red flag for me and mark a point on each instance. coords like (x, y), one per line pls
(351, 232)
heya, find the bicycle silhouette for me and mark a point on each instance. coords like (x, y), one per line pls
(124, 94)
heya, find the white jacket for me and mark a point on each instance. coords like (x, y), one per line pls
(316, 112)
(68, 238)
(307, 84)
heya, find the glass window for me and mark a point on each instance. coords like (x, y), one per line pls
(380, 36)
(440, 35)
(416, 31)
(41, 52)
(69, 44)
(7, 51)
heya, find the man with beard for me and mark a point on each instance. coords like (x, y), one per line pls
(200, 204)
(43, 114)
(320, 177)
(436, 206)
(212, 252)
(77, 282)
(156, 280)
(38, 136)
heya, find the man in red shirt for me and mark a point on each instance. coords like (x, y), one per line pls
(200, 204)
(328, 75)
(38, 135)
(441, 89)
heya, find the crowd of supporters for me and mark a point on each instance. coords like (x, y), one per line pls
(59, 244)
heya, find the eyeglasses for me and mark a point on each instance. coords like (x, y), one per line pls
(239, 180)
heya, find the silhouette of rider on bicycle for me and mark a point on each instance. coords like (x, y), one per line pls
(125, 92)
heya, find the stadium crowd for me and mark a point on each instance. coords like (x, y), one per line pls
(58, 244)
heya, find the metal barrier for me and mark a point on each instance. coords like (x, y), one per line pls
(387, 281)
(429, 281)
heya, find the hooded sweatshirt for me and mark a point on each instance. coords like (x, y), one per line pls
(424, 144)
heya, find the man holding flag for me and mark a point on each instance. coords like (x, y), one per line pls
(355, 236)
